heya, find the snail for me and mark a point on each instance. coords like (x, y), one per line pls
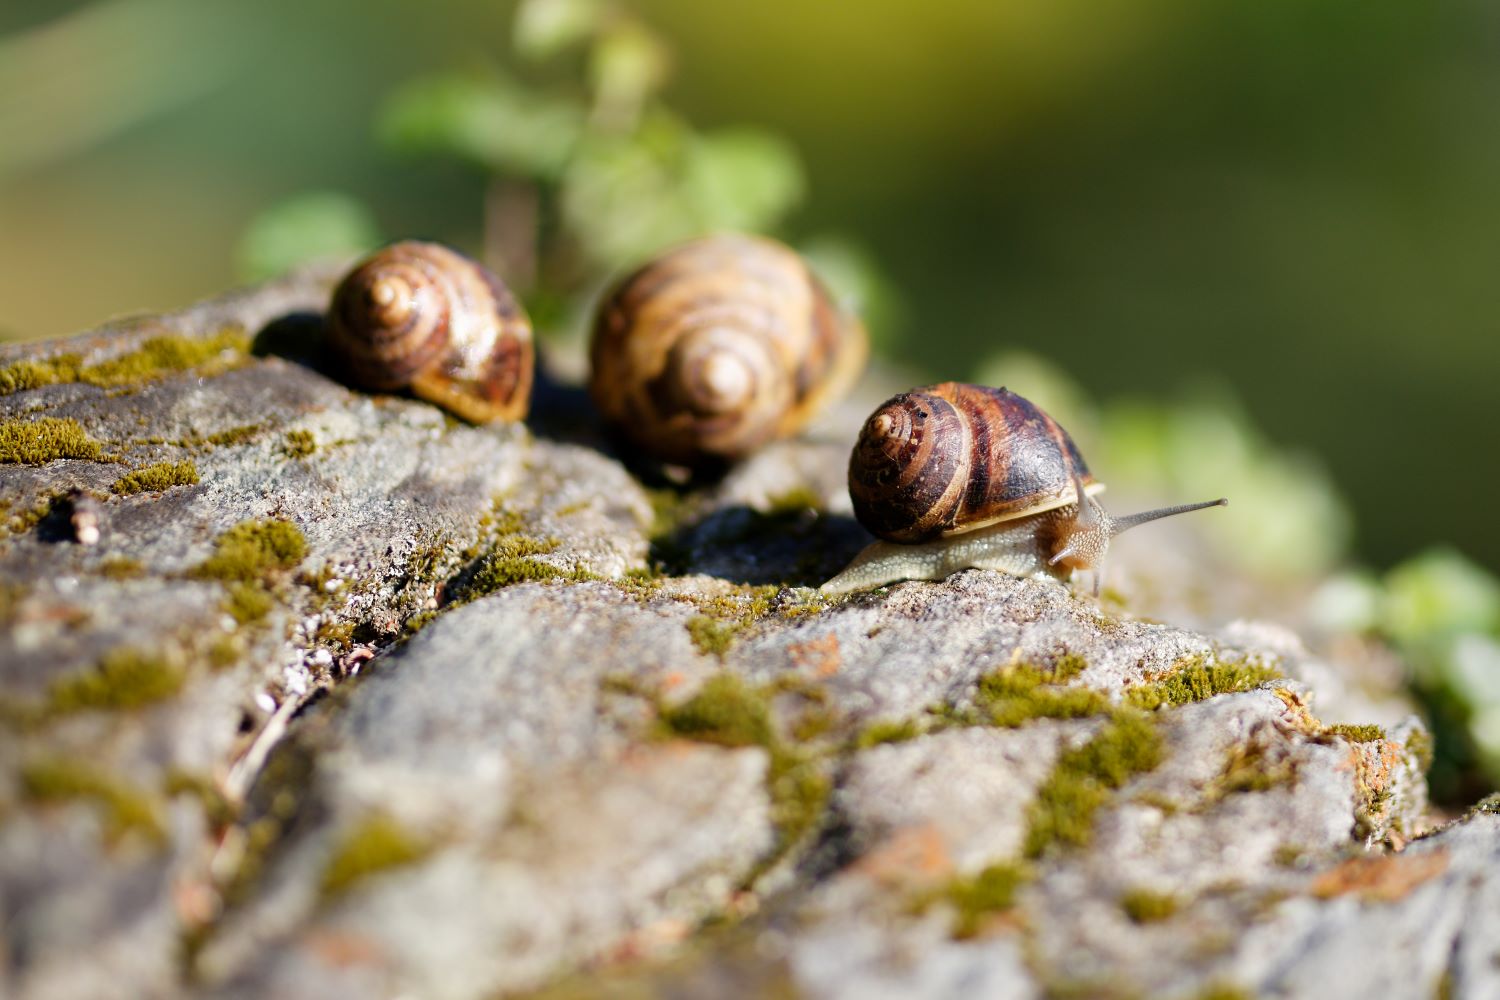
(714, 348)
(957, 476)
(420, 316)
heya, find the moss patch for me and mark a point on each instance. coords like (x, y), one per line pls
(299, 444)
(33, 374)
(37, 442)
(1144, 906)
(156, 358)
(1016, 694)
(159, 357)
(1082, 780)
(123, 678)
(976, 899)
(374, 845)
(1197, 678)
(154, 478)
(125, 809)
(121, 568)
(253, 549)
(1356, 733)
(728, 712)
(248, 602)
(711, 636)
(886, 731)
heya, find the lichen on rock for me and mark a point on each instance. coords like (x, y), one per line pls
(353, 699)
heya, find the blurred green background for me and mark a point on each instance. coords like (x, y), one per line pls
(1259, 230)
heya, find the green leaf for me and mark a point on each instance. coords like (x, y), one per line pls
(497, 124)
(305, 227)
(1439, 593)
(742, 179)
(545, 28)
(628, 66)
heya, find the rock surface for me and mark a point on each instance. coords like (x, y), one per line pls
(350, 699)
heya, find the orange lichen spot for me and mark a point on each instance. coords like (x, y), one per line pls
(1381, 879)
(821, 656)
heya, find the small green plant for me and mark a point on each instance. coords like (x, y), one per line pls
(299, 444)
(979, 897)
(123, 679)
(1145, 906)
(251, 550)
(39, 441)
(1199, 677)
(1083, 780)
(155, 478)
(374, 845)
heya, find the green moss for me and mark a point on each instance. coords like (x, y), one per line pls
(299, 444)
(248, 602)
(154, 478)
(1356, 733)
(1082, 780)
(121, 568)
(796, 500)
(710, 636)
(232, 435)
(1288, 855)
(39, 441)
(125, 809)
(340, 634)
(225, 651)
(253, 549)
(123, 678)
(726, 711)
(887, 731)
(1419, 743)
(799, 790)
(1223, 991)
(159, 357)
(23, 375)
(374, 845)
(1196, 678)
(1017, 694)
(1068, 666)
(11, 596)
(1144, 906)
(991, 891)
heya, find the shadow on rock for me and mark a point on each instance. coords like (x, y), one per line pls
(794, 546)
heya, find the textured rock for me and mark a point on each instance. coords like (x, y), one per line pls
(513, 716)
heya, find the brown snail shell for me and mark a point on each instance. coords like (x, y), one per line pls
(717, 347)
(950, 458)
(954, 476)
(423, 317)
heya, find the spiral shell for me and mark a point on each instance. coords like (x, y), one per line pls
(420, 316)
(950, 458)
(719, 346)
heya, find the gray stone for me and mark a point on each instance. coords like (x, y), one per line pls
(463, 753)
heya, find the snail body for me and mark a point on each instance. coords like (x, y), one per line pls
(717, 347)
(958, 476)
(423, 317)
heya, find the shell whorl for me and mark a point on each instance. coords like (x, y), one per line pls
(950, 458)
(719, 346)
(420, 316)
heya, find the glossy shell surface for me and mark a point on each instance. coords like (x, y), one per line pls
(950, 458)
(423, 317)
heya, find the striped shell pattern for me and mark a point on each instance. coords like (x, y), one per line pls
(719, 346)
(420, 316)
(950, 458)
